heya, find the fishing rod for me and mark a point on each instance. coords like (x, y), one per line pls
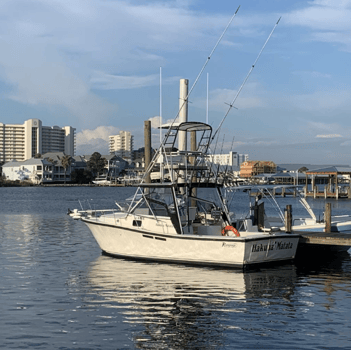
(231, 105)
(206, 62)
(190, 91)
(201, 71)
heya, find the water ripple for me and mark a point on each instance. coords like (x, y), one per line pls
(58, 292)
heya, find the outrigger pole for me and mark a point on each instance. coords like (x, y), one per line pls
(231, 105)
(162, 145)
(190, 91)
(206, 62)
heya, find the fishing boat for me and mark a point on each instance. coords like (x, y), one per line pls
(184, 218)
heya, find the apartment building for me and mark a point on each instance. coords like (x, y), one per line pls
(23, 141)
(122, 145)
(232, 159)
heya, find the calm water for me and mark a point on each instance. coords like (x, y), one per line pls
(58, 292)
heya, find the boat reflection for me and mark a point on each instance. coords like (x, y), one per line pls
(180, 306)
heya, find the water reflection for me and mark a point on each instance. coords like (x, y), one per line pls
(58, 291)
(179, 306)
(328, 275)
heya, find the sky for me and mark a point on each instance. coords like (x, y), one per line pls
(95, 65)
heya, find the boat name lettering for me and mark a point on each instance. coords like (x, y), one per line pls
(226, 245)
(279, 245)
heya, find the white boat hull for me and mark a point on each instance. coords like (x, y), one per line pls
(218, 250)
(335, 227)
(102, 182)
(310, 225)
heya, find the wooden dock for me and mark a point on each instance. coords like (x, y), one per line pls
(335, 239)
(317, 248)
(327, 194)
(326, 239)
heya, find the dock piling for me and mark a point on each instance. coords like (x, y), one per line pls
(288, 218)
(327, 217)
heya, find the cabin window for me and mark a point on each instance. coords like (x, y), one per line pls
(137, 223)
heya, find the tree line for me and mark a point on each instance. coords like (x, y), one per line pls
(95, 165)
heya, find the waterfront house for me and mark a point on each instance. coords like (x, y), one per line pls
(46, 169)
(34, 170)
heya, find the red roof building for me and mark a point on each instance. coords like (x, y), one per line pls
(255, 167)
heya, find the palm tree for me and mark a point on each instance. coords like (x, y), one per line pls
(66, 161)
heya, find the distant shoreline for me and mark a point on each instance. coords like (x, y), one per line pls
(24, 184)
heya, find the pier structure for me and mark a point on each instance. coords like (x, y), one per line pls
(336, 179)
(320, 241)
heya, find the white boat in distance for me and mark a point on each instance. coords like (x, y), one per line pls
(102, 180)
(186, 219)
(339, 223)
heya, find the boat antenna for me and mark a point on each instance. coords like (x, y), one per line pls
(160, 105)
(207, 101)
(161, 165)
(231, 105)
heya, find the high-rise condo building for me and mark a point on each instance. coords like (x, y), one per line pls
(232, 159)
(122, 145)
(23, 141)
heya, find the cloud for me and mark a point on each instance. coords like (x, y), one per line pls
(34, 64)
(322, 15)
(313, 74)
(97, 140)
(57, 53)
(318, 102)
(328, 20)
(320, 126)
(219, 99)
(103, 81)
(329, 136)
(54, 85)
(328, 130)
(318, 151)
(155, 122)
(263, 143)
